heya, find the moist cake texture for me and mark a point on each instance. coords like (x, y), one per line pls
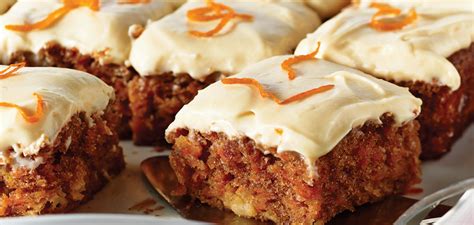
(237, 147)
(97, 42)
(167, 49)
(156, 100)
(432, 55)
(57, 158)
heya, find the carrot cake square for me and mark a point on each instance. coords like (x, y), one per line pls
(426, 46)
(89, 35)
(296, 148)
(58, 140)
(197, 44)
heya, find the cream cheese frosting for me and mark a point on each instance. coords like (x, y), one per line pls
(418, 52)
(312, 126)
(325, 8)
(87, 30)
(5, 5)
(65, 92)
(167, 46)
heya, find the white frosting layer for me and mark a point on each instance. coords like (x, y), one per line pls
(325, 8)
(311, 127)
(166, 45)
(65, 92)
(418, 52)
(89, 31)
(5, 5)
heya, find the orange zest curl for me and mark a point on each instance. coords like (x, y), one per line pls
(265, 94)
(57, 14)
(133, 1)
(383, 6)
(386, 10)
(91, 4)
(214, 11)
(306, 94)
(11, 70)
(254, 83)
(29, 118)
(286, 65)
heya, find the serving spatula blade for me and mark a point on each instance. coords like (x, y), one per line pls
(160, 175)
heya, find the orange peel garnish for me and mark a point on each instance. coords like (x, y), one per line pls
(251, 82)
(91, 4)
(383, 6)
(57, 14)
(11, 70)
(265, 94)
(29, 118)
(202, 14)
(214, 11)
(286, 65)
(385, 10)
(306, 94)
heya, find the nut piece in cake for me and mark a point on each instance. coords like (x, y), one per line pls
(327, 9)
(5, 5)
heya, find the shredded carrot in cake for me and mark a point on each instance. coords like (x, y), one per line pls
(286, 65)
(133, 1)
(265, 94)
(385, 10)
(11, 70)
(57, 14)
(29, 118)
(214, 11)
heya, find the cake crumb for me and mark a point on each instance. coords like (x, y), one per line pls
(147, 206)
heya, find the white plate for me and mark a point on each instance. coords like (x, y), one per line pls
(94, 219)
(112, 205)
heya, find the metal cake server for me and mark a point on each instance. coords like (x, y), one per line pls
(161, 177)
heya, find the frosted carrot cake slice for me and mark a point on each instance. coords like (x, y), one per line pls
(426, 46)
(296, 140)
(58, 140)
(200, 42)
(88, 35)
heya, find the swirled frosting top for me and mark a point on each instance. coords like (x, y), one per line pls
(105, 30)
(417, 52)
(312, 126)
(167, 46)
